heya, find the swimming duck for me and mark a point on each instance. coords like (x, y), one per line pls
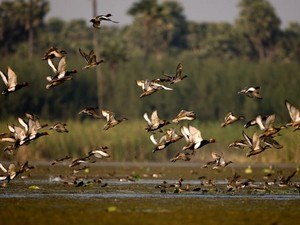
(155, 122)
(53, 52)
(97, 20)
(111, 120)
(99, 152)
(149, 87)
(90, 59)
(252, 92)
(174, 79)
(91, 111)
(10, 82)
(294, 114)
(181, 156)
(59, 127)
(254, 144)
(194, 139)
(184, 115)
(230, 118)
(218, 161)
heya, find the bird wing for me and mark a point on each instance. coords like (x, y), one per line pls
(270, 121)
(62, 65)
(154, 117)
(293, 111)
(11, 77)
(141, 83)
(2, 168)
(50, 63)
(247, 138)
(178, 70)
(84, 55)
(260, 123)
(159, 86)
(146, 117)
(107, 114)
(4, 78)
(22, 122)
(185, 132)
(152, 138)
(227, 117)
(195, 134)
(216, 156)
(256, 141)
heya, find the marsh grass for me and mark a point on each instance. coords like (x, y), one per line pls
(130, 142)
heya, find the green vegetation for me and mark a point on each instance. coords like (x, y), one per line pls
(219, 58)
(130, 142)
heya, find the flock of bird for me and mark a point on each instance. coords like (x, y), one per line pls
(30, 125)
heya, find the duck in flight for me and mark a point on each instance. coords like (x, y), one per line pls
(97, 20)
(10, 81)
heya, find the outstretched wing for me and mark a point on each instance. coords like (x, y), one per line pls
(4, 78)
(84, 55)
(178, 70)
(11, 77)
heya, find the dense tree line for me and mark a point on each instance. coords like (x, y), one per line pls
(219, 59)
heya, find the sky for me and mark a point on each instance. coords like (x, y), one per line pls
(195, 10)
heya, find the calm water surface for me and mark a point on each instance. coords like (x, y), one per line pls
(45, 197)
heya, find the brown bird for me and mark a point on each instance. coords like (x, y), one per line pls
(252, 92)
(59, 127)
(168, 138)
(111, 120)
(174, 79)
(97, 20)
(181, 156)
(53, 52)
(294, 114)
(230, 118)
(99, 152)
(254, 144)
(194, 139)
(90, 59)
(218, 162)
(149, 87)
(11, 82)
(91, 111)
(154, 123)
(184, 115)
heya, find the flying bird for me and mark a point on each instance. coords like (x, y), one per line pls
(111, 120)
(230, 118)
(97, 20)
(194, 138)
(90, 59)
(252, 92)
(294, 114)
(10, 81)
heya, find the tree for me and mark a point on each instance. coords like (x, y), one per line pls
(157, 27)
(259, 24)
(20, 19)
